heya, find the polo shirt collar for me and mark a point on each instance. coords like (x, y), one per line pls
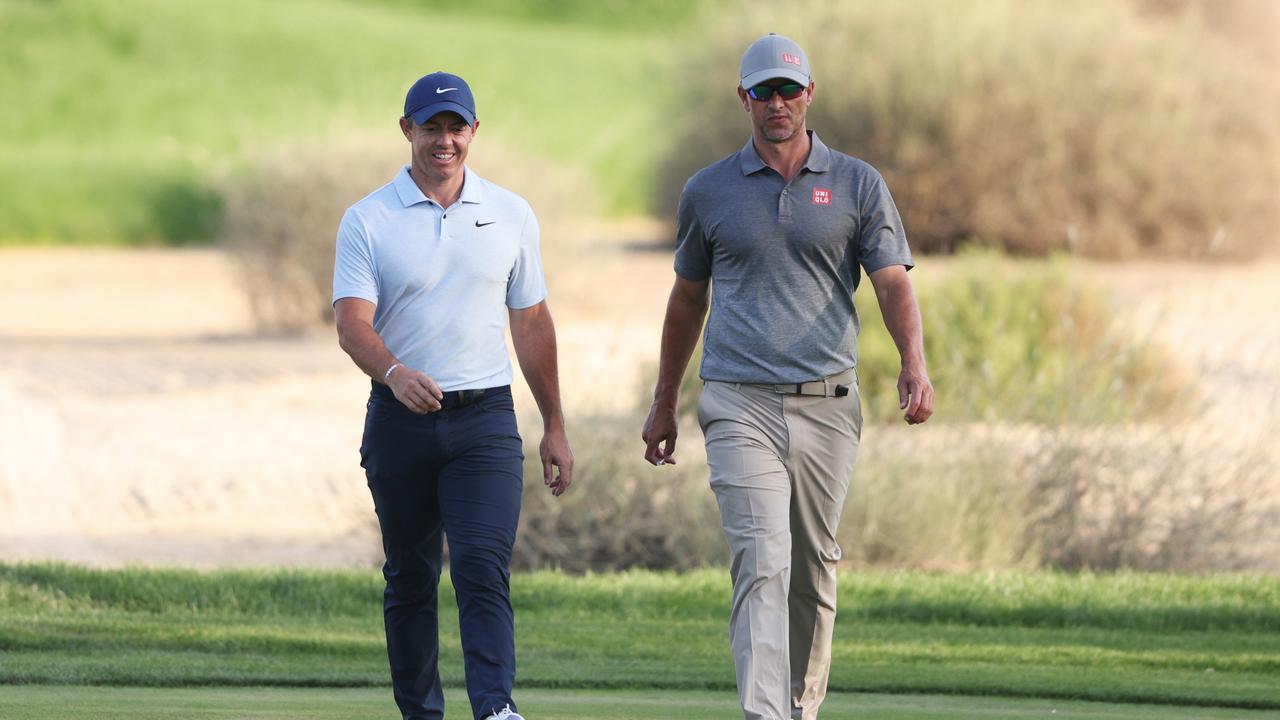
(411, 194)
(819, 159)
(819, 155)
(472, 187)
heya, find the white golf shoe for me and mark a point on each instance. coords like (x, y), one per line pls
(506, 713)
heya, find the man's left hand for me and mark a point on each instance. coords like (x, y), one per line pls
(915, 395)
(554, 451)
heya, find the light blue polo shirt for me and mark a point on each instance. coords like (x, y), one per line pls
(442, 278)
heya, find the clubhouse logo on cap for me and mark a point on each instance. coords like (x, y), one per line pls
(789, 58)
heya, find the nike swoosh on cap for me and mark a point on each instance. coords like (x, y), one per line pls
(444, 90)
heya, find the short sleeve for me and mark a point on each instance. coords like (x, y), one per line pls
(354, 274)
(526, 285)
(693, 250)
(883, 241)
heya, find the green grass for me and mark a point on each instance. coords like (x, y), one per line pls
(1163, 639)
(120, 116)
(42, 703)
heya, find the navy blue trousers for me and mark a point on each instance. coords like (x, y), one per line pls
(455, 473)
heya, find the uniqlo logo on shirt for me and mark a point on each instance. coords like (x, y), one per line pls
(789, 58)
(821, 196)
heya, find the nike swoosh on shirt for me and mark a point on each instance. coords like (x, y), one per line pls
(482, 224)
(444, 90)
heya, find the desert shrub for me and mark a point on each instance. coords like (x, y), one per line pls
(621, 512)
(1188, 499)
(1035, 127)
(1151, 496)
(938, 502)
(281, 217)
(1181, 497)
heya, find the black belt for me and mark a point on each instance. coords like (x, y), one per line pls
(453, 399)
(461, 398)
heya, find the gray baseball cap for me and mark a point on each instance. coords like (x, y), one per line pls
(773, 56)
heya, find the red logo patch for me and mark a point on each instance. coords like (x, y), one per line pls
(821, 196)
(789, 58)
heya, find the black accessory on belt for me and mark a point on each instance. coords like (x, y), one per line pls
(461, 398)
(817, 388)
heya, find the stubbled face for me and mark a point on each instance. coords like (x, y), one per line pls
(439, 145)
(776, 120)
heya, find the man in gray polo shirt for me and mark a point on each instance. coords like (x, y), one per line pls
(782, 230)
(430, 267)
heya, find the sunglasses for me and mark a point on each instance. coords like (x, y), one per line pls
(788, 91)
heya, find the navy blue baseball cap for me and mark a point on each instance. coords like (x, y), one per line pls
(436, 93)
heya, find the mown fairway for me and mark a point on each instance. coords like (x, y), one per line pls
(1152, 639)
(47, 703)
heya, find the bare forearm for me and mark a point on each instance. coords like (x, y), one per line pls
(902, 319)
(534, 339)
(680, 329)
(366, 348)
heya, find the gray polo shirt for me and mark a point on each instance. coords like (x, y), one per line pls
(784, 261)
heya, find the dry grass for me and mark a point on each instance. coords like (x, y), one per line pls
(183, 449)
(1031, 127)
(1153, 497)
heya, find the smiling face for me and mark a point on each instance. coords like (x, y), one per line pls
(439, 146)
(777, 120)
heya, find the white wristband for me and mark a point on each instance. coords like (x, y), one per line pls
(387, 375)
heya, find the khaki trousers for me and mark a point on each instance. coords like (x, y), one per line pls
(780, 468)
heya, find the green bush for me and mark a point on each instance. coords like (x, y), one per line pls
(1011, 341)
(1015, 341)
(1035, 127)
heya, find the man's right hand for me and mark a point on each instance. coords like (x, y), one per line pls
(415, 390)
(660, 428)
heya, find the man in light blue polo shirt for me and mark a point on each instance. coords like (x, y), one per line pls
(430, 267)
(778, 235)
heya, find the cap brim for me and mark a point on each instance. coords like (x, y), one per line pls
(760, 76)
(424, 114)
